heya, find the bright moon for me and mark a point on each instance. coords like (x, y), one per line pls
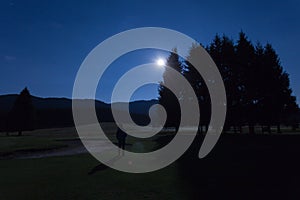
(160, 62)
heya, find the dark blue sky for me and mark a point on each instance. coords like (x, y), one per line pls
(42, 43)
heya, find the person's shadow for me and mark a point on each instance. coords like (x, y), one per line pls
(102, 167)
(121, 137)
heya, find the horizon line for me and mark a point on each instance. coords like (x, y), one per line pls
(63, 97)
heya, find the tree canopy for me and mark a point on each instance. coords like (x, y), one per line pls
(257, 88)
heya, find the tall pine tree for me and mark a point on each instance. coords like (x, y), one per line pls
(22, 116)
(245, 55)
(166, 98)
(258, 90)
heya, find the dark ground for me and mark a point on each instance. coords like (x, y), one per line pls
(239, 167)
(244, 167)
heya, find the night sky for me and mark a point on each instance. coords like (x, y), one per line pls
(43, 43)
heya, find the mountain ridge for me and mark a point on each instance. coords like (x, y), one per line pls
(55, 112)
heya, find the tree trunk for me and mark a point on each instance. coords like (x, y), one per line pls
(234, 129)
(294, 127)
(266, 129)
(251, 129)
(200, 129)
(241, 129)
(278, 128)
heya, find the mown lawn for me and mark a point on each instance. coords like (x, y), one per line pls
(239, 167)
(12, 144)
(68, 178)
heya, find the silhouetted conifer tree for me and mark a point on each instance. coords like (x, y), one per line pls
(199, 87)
(22, 116)
(258, 90)
(166, 97)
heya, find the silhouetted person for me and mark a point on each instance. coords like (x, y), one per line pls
(121, 137)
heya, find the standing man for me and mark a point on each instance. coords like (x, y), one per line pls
(121, 137)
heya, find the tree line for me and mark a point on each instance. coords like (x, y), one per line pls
(257, 88)
(27, 114)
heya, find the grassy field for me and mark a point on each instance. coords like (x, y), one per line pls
(45, 139)
(244, 167)
(240, 166)
(67, 178)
